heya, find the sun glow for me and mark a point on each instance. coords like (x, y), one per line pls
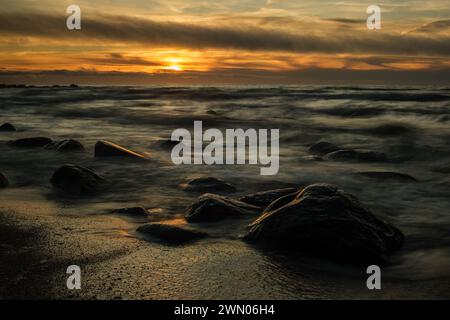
(174, 68)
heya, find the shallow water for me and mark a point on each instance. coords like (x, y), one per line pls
(410, 125)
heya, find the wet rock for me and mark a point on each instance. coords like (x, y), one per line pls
(30, 142)
(3, 181)
(263, 199)
(170, 234)
(391, 129)
(109, 149)
(208, 184)
(354, 155)
(328, 222)
(7, 127)
(66, 145)
(211, 112)
(134, 211)
(77, 181)
(322, 148)
(387, 176)
(212, 207)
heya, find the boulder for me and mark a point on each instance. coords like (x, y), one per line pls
(328, 222)
(208, 184)
(7, 127)
(109, 149)
(354, 155)
(212, 207)
(30, 142)
(170, 234)
(66, 145)
(322, 148)
(263, 199)
(77, 181)
(3, 181)
(134, 211)
(387, 176)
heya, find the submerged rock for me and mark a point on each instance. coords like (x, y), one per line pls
(322, 148)
(212, 207)
(207, 184)
(7, 127)
(77, 181)
(263, 199)
(3, 181)
(66, 145)
(388, 175)
(171, 234)
(134, 211)
(354, 155)
(30, 142)
(109, 149)
(326, 221)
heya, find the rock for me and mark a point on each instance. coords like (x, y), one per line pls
(109, 149)
(3, 181)
(211, 112)
(73, 85)
(170, 234)
(387, 175)
(135, 211)
(325, 221)
(7, 127)
(66, 145)
(263, 199)
(77, 181)
(30, 142)
(353, 155)
(322, 148)
(208, 184)
(212, 207)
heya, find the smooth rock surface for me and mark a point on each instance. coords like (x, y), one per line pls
(77, 181)
(109, 149)
(170, 234)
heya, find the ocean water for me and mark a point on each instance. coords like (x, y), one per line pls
(411, 125)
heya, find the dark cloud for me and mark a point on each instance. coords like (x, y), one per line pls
(149, 32)
(117, 59)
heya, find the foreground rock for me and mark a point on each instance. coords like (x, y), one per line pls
(134, 211)
(263, 199)
(354, 155)
(212, 207)
(327, 222)
(66, 145)
(322, 148)
(77, 181)
(109, 149)
(387, 176)
(30, 142)
(7, 127)
(208, 184)
(3, 181)
(171, 234)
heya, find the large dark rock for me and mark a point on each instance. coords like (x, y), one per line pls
(208, 184)
(66, 145)
(387, 176)
(354, 155)
(3, 181)
(322, 148)
(7, 127)
(326, 221)
(30, 142)
(263, 199)
(109, 149)
(170, 234)
(212, 207)
(77, 181)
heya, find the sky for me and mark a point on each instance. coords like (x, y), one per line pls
(240, 42)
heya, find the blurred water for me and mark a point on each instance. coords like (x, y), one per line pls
(410, 125)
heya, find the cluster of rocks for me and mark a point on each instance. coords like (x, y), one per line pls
(320, 220)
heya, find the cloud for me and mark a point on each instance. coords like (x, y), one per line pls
(144, 32)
